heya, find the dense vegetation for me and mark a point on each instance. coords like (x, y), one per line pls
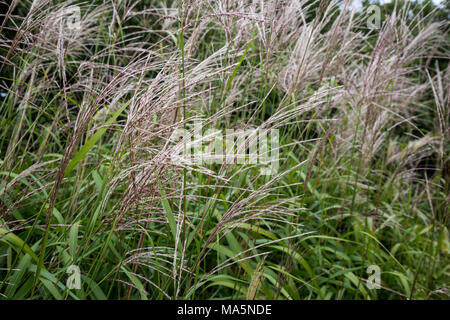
(87, 176)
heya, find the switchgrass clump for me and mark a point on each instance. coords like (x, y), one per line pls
(92, 94)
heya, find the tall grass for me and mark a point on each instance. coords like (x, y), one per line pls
(86, 170)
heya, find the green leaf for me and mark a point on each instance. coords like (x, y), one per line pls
(16, 243)
(168, 211)
(237, 67)
(93, 140)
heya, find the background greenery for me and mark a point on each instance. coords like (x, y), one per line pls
(85, 177)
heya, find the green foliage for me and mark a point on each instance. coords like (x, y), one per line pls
(91, 125)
